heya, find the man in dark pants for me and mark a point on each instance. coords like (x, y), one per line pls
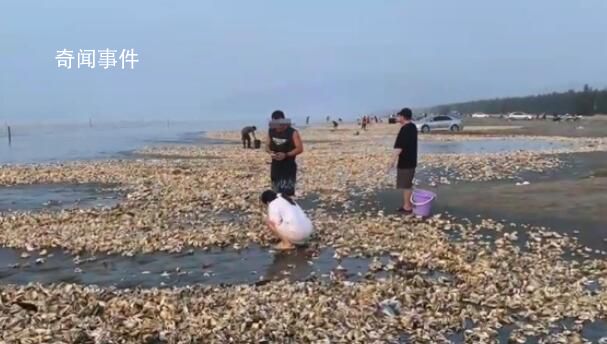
(405, 158)
(284, 144)
(246, 136)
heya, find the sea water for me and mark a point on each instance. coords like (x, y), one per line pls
(57, 143)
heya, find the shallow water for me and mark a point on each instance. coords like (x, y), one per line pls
(45, 144)
(488, 146)
(215, 266)
(591, 331)
(56, 196)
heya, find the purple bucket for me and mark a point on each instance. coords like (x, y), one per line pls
(422, 202)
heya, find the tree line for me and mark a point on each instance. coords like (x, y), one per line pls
(587, 101)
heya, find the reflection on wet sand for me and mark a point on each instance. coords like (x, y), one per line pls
(215, 266)
(57, 196)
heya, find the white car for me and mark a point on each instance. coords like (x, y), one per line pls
(520, 115)
(570, 117)
(480, 115)
(442, 122)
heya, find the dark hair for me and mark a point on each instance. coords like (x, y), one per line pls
(406, 113)
(269, 195)
(278, 115)
(254, 127)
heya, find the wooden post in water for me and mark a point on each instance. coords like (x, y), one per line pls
(10, 136)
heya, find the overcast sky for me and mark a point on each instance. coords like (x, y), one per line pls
(213, 59)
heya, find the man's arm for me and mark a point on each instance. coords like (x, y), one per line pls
(268, 140)
(395, 155)
(398, 149)
(298, 145)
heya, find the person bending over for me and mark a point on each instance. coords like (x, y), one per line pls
(286, 220)
(283, 145)
(246, 136)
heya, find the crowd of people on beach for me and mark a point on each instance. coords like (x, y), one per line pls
(366, 120)
(286, 219)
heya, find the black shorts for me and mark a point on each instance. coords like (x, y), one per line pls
(404, 178)
(284, 176)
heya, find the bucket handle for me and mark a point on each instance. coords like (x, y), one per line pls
(422, 203)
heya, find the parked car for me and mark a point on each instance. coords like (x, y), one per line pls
(441, 122)
(520, 115)
(480, 115)
(570, 117)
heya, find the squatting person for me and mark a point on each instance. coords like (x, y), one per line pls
(247, 132)
(405, 158)
(286, 220)
(283, 144)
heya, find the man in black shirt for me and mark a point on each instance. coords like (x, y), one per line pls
(283, 145)
(405, 157)
(246, 136)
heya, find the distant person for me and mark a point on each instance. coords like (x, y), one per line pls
(283, 145)
(364, 123)
(328, 119)
(286, 220)
(340, 120)
(335, 125)
(405, 158)
(247, 132)
(307, 120)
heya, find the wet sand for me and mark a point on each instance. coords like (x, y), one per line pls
(595, 126)
(569, 200)
(575, 208)
(488, 146)
(58, 196)
(251, 265)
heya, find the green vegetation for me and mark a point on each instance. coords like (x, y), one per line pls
(588, 101)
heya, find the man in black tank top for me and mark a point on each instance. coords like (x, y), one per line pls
(283, 144)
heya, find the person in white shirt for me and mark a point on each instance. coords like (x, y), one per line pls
(286, 220)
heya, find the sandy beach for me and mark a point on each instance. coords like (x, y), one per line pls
(514, 253)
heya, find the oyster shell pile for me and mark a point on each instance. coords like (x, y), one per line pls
(176, 204)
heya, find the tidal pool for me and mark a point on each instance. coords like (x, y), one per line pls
(56, 196)
(593, 331)
(488, 146)
(215, 266)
